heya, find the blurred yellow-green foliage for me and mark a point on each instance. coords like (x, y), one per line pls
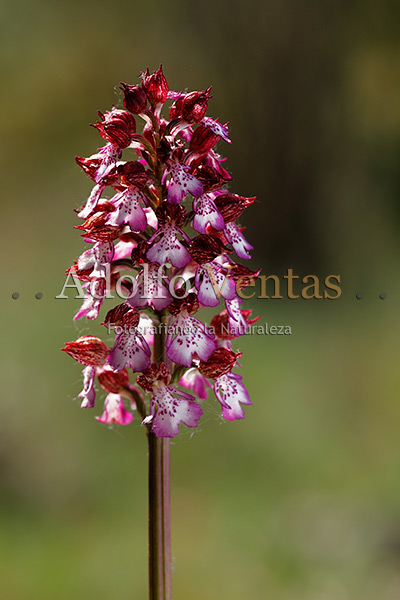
(301, 501)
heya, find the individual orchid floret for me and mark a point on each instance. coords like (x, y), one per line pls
(130, 348)
(155, 86)
(169, 248)
(87, 350)
(152, 288)
(206, 214)
(182, 182)
(193, 380)
(129, 209)
(238, 323)
(135, 98)
(192, 107)
(216, 127)
(169, 406)
(116, 127)
(187, 339)
(239, 243)
(88, 393)
(231, 394)
(115, 411)
(212, 281)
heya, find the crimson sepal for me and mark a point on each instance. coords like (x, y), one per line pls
(122, 316)
(231, 206)
(135, 98)
(155, 86)
(87, 350)
(221, 326)
(112, 381)
(205, 248)
(116, 126)
(220, 362)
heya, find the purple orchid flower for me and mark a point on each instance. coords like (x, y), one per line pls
(169, 248)
(169, 408)
(115, 411)
(181, 182)
(212, 282)
(129, 209)
(206, 213)
(231, 394)
(240, 245)
(189, 337)
(130, 350)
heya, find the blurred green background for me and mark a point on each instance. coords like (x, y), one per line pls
(301, 501)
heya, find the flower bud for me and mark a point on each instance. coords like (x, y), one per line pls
(220, 362)
(155, 86)
(87, 350)
(204, 248)
(135, 99)
(117, 127)
(112, 381)
(194, 106)
(231, 206)
(203, 139)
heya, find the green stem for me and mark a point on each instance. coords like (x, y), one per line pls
(159, 503)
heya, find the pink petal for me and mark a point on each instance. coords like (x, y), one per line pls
(191, 337)
(231, 393)
(173, 408)
(92, 201)
(209, 292)
(217, 128)
(88, 394)
(206, 213)
(239, 243)
(127, 351)
(115, 412)
(169, 249)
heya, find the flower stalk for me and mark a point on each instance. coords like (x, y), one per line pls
(159, 501)
(160, 209)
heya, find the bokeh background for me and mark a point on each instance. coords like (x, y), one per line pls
(301, 501)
